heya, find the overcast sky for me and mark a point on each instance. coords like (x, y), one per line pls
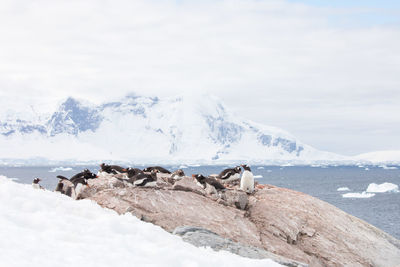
(327, 73)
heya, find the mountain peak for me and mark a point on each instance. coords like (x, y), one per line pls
(184, 128)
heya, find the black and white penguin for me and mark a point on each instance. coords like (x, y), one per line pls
(130, 172)
(178, 174)
(73, 186)
(112, 169)
(203, 181)
(247, 180)
(36, 185)
(160, 169)
(144, 179)
(229, 175)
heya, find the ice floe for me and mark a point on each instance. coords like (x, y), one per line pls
(382, 188)
(343, 189)
(61, 169)
(358, 195)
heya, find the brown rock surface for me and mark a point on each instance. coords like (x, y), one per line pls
(285, 222)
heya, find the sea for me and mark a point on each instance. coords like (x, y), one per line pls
(381, 210)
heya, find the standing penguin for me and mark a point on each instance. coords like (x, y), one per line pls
(35, 183)
(247, 181)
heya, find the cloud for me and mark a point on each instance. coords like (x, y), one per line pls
(286, 64)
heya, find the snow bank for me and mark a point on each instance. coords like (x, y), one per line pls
(382, 188)
(61, 169)
(358, 195)
(43, 228)
(343, 189)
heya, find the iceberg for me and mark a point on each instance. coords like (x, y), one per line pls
(382, 188)
(358, 195)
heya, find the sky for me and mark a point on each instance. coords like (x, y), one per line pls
(327, 73)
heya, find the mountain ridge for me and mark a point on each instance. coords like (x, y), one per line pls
(151, 129)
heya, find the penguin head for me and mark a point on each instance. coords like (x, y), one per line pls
(180, 172)
(36, 180)
(89, 175)
(238, 169)
(246, 167)
(200, 178)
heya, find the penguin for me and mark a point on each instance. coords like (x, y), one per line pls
(143, 179)
(247, 181)
(73, 186)
(203, 181)
(36, 185)
(112, 169)
(229, 175)
(178, 174)
(81, 177)
(160, 169)
(130, 172)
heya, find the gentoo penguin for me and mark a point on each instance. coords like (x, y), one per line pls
(113, 169)
(178, 174)
(247, 181)
(36, 185)
(229, 175)
(130, 172)
(202, 180)
(160, 169)
(72, 187)
(144, 179)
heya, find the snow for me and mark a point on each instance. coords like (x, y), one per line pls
(260, 168)
(380, 156)
(358, 195)
(61, 169)
(43, 228)
(343, 189)
(258, 176)
(177, 130)
(382, 188)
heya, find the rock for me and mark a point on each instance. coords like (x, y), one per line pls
(201, 237)
(301, 227)
(236, 198)
(210, 190)
(189, 184)
(278, 220)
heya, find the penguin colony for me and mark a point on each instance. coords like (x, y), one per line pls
(147, 177)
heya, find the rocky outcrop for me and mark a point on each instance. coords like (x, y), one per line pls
(201, 237)
(281, 221)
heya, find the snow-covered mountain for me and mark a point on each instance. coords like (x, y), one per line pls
(184, 129)
(388, 156)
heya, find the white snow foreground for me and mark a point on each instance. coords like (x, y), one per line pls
(43, 228)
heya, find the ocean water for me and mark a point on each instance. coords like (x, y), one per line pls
(381, 210)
